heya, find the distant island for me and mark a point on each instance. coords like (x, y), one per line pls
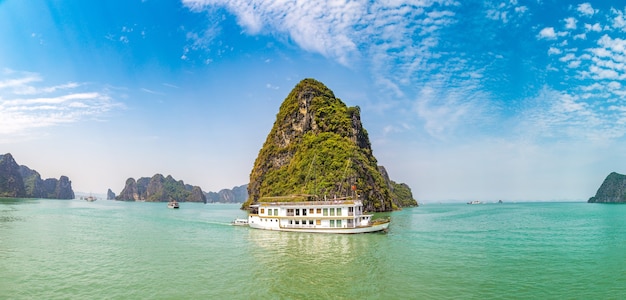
(237, 194)
(612, 190)
(18, 181)
(159, 189)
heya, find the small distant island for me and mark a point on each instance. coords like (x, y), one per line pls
(159, 189)
(18, 181)
(612, 190)
(162, 189)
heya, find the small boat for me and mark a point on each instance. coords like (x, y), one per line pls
(240, 222)
(172, 204)
(474, 202)
(91, 198)
(327, 216)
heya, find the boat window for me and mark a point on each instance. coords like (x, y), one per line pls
(339, 211)
(332, 211)
(332, 223)
(310, 222)
(297, 222)
(304, 211)
(276, 212)
(325, 211)
(311, 211)
(297, 211)
(290, 212)
(338, 223)
(269, 211)
(262, 210)
(319, 211)
(318, 222)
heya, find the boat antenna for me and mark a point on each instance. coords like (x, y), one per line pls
(306, 179)
(345, 171)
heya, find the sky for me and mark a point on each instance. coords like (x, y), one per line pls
(463, 100)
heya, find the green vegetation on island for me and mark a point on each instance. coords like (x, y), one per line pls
(319, 147)
(19, 181)
(160, 189)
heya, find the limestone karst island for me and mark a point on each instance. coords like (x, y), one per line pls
(18, 181)
(612, 190)
(318, 146)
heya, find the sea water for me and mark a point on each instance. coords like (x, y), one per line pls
(73, 249)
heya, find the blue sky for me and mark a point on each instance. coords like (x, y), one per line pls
(513, 100)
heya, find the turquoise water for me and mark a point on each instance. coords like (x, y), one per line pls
(73, 249)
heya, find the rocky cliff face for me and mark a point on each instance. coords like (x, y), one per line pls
(20, 181)
(612, 190)
(318, 146)
(11, 182)
(160, 189)
(110, 195)
(401, 192)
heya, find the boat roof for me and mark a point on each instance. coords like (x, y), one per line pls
(308, 203)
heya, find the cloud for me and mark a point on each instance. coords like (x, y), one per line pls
(593, 27)
(570, 23)
(619, 21)
(547, 33)
(554, 51)
(318, 26)
(585, 9)
(26, 103)
(504, 11)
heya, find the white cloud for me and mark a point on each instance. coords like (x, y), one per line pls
(586, 9)
(554, 51)
(574, 64)
(27, 104)
(317, 26)
(570, 23)
(547, 33)
(593, 27)
(567, 57)
(619, 21)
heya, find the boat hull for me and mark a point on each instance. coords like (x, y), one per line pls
(360, 229)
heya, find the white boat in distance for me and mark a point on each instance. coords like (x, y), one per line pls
(328, 216)
(240, 222)
(172, 204)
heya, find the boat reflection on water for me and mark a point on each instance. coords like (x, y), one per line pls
(333, 262)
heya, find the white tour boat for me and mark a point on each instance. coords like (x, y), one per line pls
(328, 216)
(240, 222)
(173, 204)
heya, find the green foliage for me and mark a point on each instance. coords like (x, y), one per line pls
(402, 194)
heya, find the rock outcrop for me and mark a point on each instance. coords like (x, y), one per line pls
(110, 195)
(612, 190)
(160, 189)
(402, 195)
(22, 182)
(237, 194)
(318, 147)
